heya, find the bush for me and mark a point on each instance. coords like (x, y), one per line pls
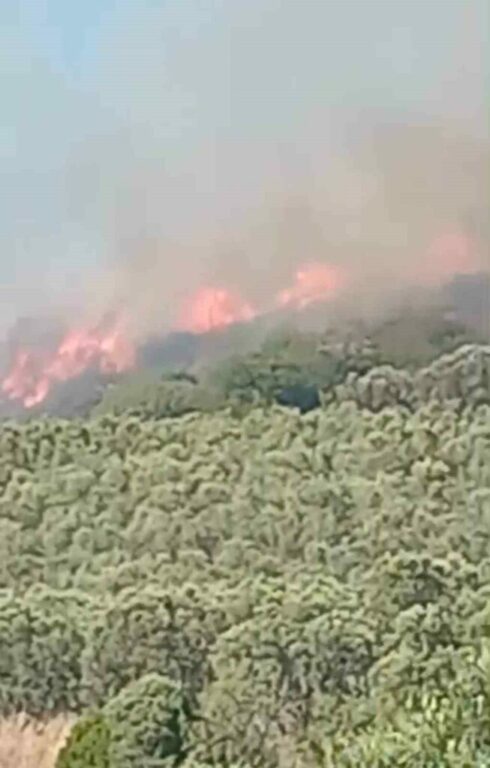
(150, 395)
(148, 631)
(87, 745)
(147, 724)
(290, 370)
(41, 642)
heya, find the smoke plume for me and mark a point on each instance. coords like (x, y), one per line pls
(221, 162)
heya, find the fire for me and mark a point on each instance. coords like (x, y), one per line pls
(313, 282)
(107, 348)
(449, 254)
(33, 373)
(25, 380)
(212, 308)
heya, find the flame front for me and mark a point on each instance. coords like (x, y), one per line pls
(448, 254)
(212, 308)
(313, 282)
(25, 380)
(33, 373)
(107, 348)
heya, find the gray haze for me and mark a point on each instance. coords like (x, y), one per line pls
(231, 141)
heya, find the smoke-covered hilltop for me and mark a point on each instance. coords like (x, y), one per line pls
(407, 332)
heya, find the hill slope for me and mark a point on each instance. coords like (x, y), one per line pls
(265, 587)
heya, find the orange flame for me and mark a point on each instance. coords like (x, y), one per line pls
(212, 308)
(449, 254)
(313, 282)
(33, 374)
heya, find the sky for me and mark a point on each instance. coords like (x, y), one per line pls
(125, 121)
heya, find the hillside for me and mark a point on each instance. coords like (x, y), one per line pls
(245, 384)
(257, 587)
(58, 372)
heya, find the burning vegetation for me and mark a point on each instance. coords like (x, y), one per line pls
(107, 347)
(34, 371)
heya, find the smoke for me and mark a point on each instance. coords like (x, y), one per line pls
(400, 207)
(226, 144)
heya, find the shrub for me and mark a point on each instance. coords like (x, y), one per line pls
(41, 641)
(87, 745)
(147, 724)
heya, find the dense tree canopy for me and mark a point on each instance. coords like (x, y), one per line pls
(223, 586)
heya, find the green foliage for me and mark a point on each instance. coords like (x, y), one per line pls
(41, 640)
(291, 369)
(88, 744)
(306, 640)
(148, 724)
(415, 337)
(271, 589)
(149, 631)
(150, 395)
(462, 376)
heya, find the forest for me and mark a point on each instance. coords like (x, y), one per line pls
(282, 560)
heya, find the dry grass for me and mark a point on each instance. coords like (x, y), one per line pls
(26, 743)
